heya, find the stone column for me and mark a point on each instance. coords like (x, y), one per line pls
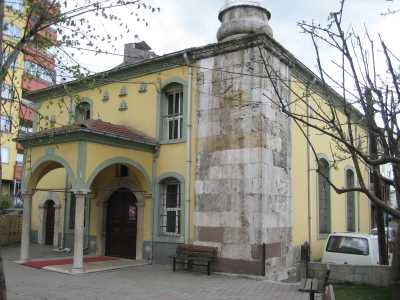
(77, 266)
(140, 225)
(42, 225)
(100, 231)
(56, 224)
(26, 227)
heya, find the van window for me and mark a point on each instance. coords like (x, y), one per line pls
(348, 245)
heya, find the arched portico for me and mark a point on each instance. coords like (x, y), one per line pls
(33, 175)
(104, 185)
(72, 147)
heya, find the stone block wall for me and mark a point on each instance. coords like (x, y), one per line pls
(370, 275)
(243, 164)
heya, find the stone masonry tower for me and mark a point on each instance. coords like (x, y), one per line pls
(243, 163)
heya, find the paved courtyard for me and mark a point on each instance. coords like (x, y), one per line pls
(144, 282)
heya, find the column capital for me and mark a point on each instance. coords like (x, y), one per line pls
(80, 191)
(27, 194)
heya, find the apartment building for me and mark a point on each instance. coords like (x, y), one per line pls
(33, 68)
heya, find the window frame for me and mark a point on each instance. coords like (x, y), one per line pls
(348, 199)
(158, 234)
(3, 156)
(87, 111)
(9, 92)
(167, 133)
(12, 31)
(164, 209)
(328, 204)
(6, 128)
(15, 5)
(18, 159)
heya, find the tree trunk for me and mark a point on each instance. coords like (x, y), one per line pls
(396, 265)
(383, 247)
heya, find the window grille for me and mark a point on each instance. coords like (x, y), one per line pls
(170, 218)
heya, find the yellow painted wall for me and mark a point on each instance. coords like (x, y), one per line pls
(105, 153)
(323, 145)
(141, 115)
(53, 180)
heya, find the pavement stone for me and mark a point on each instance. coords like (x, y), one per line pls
(138, 283)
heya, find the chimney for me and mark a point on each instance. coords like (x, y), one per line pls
(240, 18)
(136, 52)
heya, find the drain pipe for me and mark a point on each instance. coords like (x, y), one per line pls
(188, 175)
(309, 212)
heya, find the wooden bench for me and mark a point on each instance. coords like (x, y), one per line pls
(312, 285)
(193, 255)
(309, 285)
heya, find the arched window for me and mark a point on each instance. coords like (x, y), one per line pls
(324, 197)
(170, 206)
(350, 202)
(172, 112)
(82, 112)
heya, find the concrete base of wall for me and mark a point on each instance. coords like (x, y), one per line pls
(237, 266)
(162, 252)
(370, 275)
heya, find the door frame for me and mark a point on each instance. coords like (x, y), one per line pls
(42, 218)
(101, 215)
(112, 201)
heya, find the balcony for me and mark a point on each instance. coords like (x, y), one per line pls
(26, 113)
(31, 84)
(18, 168)
(39, 55)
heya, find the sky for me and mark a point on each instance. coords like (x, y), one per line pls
(183, 24)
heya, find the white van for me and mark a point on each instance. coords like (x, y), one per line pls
(351, 248)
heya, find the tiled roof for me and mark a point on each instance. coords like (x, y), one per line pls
(97, 127)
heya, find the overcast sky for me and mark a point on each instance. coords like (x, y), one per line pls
(186, 23)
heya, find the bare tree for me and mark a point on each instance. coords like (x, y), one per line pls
(76, 23)
(359, 112)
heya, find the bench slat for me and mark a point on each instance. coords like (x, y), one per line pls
(308, 284)
(314, 284)
(302, 285)
(194, 255)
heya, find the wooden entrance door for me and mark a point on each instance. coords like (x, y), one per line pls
(121, 225)
(50, 211)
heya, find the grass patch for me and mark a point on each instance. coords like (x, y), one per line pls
(361, 292)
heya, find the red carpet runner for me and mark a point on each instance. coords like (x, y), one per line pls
(39, 264)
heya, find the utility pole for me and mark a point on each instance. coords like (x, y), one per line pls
(379, 217)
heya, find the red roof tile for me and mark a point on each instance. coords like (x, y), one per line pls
(98, 127)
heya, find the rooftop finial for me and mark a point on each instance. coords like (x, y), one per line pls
(240, 18)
